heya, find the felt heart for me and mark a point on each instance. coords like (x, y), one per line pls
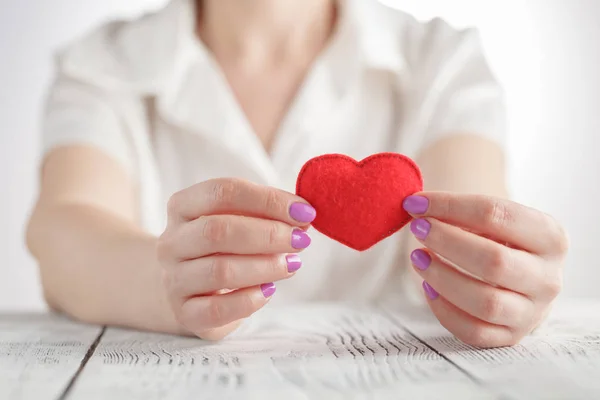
(359, 203)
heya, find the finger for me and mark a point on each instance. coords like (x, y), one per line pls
(209, 274)
(465, 327)
(236, 196)
(489, 261)
(203, 313)
(234, 234)
(488, 303)
(503, 220)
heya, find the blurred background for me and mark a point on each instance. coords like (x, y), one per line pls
(545, 52)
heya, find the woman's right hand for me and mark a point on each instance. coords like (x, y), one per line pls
(226, 242)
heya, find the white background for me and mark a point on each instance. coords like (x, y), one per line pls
(546, 53)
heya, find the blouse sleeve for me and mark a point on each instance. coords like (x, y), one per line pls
(455, 86)
(78, 113)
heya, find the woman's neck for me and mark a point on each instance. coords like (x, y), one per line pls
(265, 31)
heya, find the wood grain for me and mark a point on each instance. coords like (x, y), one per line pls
(39, 354)
(561, 360)
(321, 352)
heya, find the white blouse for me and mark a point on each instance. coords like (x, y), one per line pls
(150, 95)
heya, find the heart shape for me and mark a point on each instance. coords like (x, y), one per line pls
(359, 203)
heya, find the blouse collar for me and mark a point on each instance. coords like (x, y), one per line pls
(160, 56)
(367, 30)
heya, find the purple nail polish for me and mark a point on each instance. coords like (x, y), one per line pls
(268, 289)
(431, 293)
(302, 212)
(300, 239)
(420, 228)
(293, 262)
(420, 259)
(416, 204)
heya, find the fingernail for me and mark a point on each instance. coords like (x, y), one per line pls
(416, 204)
(268, 289)
(420, 259)
(431, 293)
(300, 239)
(293, 262)
(302, 212)
(420, 228)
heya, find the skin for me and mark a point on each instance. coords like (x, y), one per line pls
(265, 49)
(98, 266)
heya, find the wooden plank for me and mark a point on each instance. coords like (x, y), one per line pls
(559, 361)
(321, 352)
(39, 354)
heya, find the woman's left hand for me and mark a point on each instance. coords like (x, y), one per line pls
(491, 267)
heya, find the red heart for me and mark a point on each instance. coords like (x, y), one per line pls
(359, 203)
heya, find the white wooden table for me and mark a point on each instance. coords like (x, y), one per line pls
(316, 352)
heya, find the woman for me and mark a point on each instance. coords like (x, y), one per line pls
(172, 144)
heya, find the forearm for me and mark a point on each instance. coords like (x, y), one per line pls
(99, 268)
